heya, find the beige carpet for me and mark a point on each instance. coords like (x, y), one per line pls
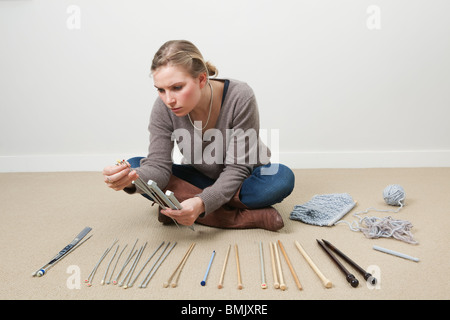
(42, 212)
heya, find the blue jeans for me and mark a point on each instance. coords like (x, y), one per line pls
(259, 190)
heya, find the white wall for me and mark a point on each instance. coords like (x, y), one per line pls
(351, 83)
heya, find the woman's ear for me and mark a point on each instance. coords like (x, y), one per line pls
(203, 79)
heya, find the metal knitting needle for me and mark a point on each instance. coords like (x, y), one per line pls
(145, 264)
(166, 203)
(133, 266)
(348, 276)
(154, 264)
(115, 265)
(41, 271)
(158, 265)
(149, 190)
(177, 204)
(98, 263)
(94, 270)
(263, 277)
(367, 276)
(130, 256)
(48, 267)
(107, 267)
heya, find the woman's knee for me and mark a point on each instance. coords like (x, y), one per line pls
(262, 189)
(135, 162)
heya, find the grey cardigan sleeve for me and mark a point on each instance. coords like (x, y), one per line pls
(157, 166)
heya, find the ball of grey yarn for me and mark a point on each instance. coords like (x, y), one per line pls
(394, 195)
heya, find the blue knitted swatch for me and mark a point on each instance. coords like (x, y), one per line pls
(323, 210)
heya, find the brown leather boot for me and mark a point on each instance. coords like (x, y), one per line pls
(234, 215)
(234, 218)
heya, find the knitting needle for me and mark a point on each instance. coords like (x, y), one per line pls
(348, 276)
(91, 275)
(327, 283)
(178, 271)
(41, 271)
(47, 267)
(203, 282)
(115, 265)
(220, 285)
(116, 280)
(175, 283)
(127, 260)
(367, 276)
(276, 284)
(299, 286)
(263, 277)
(238, 268)
(154, 264)
(166, 284)
(280, 272)
(94, 270)
(133, 266)
(157, 266)
(109, 263)
(177, 204)
(149, 190)
(164, 199)
(395, 253)
(145, 264)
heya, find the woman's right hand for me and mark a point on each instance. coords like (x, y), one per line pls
(120, 176)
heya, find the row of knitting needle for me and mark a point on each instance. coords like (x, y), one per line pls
(167, 200)
(128, 280)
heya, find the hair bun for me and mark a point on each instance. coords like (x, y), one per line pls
(212, 70)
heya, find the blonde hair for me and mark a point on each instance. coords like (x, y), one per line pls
(185, 54)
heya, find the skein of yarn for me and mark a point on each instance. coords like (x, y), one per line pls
(394, 195)
(374, 227)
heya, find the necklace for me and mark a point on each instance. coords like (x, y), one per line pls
(210, 108)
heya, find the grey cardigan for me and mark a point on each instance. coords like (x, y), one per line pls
(227, 154)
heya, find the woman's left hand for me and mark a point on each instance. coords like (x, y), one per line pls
(192, 208)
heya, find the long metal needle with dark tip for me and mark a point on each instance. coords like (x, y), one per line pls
(348, 276)
(367, 276)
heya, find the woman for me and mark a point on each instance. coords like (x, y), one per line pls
(226, 179)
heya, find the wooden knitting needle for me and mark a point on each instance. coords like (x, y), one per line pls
(348, 276)
(299, 286)
(238, 268)
(174, 283)
(280, 272)
(220, 285)
(327, 283)
(367, 276)
(166, 284)
(276, 284)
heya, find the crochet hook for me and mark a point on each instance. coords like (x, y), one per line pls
(367, 276)
(348, 276)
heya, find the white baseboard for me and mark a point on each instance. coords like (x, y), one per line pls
(295, 160)
(367, 159)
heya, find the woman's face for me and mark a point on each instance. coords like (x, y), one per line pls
(178, 89)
